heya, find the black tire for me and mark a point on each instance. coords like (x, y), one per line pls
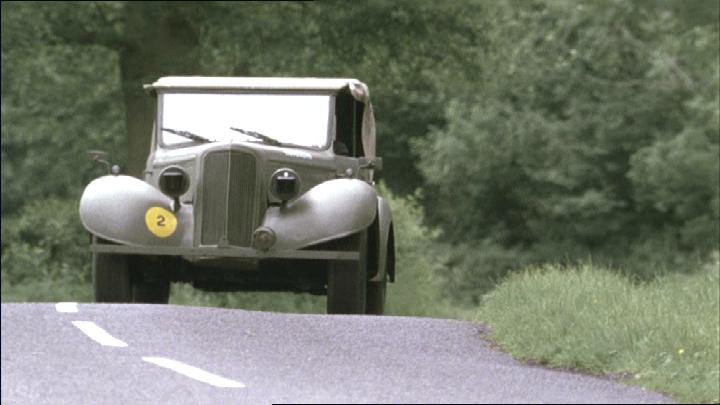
(147, 287)
(347, 279)
(111, 278)
(154, 292)
(119, 278)
(376, 291)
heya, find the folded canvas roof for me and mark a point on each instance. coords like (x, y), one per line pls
(358, 88)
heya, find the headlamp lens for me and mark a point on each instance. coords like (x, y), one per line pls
(285, 184)
(174, 182)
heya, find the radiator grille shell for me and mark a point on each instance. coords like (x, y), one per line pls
(231, 204)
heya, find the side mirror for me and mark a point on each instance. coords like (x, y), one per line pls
(97, 154)
(101, 157)
(371, 163)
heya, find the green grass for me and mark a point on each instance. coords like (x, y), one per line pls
(664, 335)
(185, 294)
(47, 290)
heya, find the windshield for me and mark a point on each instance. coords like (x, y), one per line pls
(288, 119)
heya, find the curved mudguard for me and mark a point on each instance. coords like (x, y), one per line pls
(330, 210)
(115, 208)
(384, 227)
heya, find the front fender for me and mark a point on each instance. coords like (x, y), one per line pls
(330, 210)
(386, 242)
(115, 208)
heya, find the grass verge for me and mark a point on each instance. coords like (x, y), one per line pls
(47, 290)
(665, 334)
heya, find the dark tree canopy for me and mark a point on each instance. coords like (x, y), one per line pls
(530, 126)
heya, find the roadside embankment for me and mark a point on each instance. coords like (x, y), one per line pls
(663, 335)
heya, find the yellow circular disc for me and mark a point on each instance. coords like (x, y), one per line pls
(161, 222)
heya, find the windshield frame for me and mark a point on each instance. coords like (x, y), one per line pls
(189, 143)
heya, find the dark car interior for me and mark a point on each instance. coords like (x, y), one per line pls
(348, 113)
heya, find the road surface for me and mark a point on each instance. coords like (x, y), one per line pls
(130, 354)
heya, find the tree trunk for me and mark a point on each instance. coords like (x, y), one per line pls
(160, 40)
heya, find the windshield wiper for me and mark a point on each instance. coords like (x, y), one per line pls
(264, 138)
(188, 135)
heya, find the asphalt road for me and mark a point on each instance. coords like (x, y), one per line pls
(155, 354)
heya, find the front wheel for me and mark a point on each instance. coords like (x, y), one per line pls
(347, 279)
(152, 292)
(376, 291)
(120, 279)
(111, 278)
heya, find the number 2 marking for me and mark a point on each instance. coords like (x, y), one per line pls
(160, 222)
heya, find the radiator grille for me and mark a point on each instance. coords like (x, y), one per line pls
(230, 207)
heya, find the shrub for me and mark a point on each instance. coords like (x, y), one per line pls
(419, 261)
(45, 240)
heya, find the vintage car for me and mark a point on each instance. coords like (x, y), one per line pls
(251, 184)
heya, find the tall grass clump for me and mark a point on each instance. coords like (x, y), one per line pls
(664, 333)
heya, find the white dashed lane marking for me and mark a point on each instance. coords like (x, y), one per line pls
(194, 372)
(98, 334)
(66, 307)
(101, 336)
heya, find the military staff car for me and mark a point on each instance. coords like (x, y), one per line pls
(251, 184)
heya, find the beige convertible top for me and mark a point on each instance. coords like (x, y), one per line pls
(358, 89)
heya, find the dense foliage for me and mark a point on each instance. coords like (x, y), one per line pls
(593, 130)
(535, 130)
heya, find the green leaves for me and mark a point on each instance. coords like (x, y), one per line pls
(557, 128)
(62, 99)
(46, 241)
(586, 132)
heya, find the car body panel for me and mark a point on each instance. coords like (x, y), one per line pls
(115, 208)
(330, 210)
(384, 237)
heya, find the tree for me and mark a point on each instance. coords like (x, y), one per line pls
(404, 51)
(151, 39)
(594, 124)
(58, 100)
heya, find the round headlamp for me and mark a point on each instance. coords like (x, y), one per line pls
(174, 182)
(285, 184)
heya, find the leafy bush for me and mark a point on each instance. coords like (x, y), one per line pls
(57, 289)
(61, 102)
(419, 261)
(45, 246)
(475, 268)
(678, 180)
